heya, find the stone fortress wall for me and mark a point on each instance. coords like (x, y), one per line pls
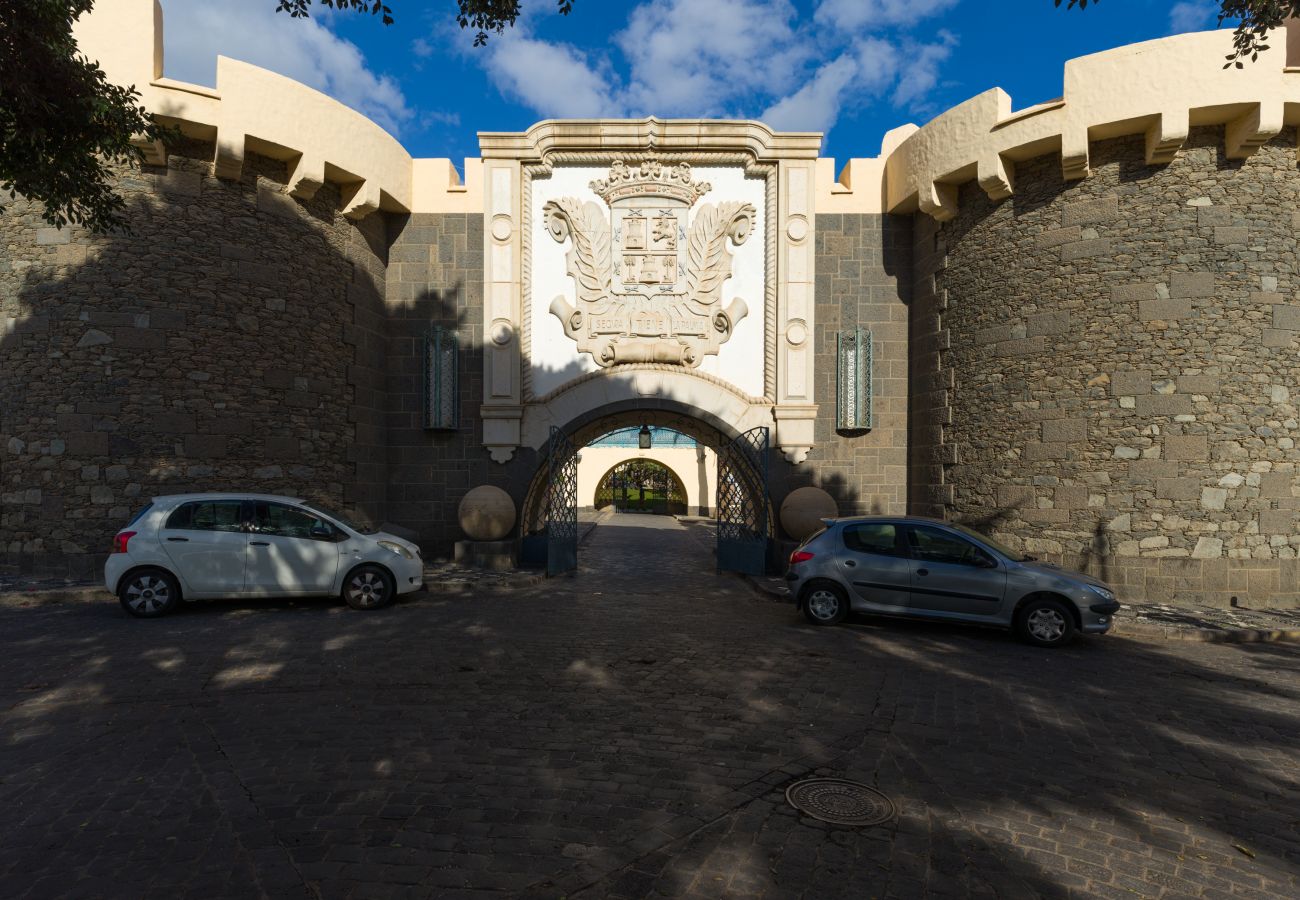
(1120, 368)
(1084, 317)
(231, 341)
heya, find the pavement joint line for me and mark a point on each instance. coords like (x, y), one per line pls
(217, 798)
(809, 763)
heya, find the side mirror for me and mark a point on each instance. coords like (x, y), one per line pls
(322, 532)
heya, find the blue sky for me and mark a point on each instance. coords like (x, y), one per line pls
(850, 68)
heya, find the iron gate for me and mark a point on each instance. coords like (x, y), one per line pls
(561, 505)
(742, 504)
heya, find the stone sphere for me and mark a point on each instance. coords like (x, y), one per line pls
(803, 509)
(486, 513)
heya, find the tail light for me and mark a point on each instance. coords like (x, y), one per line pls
(123, 538)
(799, 556)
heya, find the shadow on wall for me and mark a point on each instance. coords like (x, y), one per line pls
(228, 343)
(971, 733)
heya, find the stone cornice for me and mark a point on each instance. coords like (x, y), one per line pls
(553, 137)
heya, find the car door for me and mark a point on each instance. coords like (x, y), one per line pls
(874, 561)
(952, 575)
(291, 551)
(207, 545)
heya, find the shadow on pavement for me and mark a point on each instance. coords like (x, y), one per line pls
(629, 731)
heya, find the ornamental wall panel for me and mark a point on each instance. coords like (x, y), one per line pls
(620, 247)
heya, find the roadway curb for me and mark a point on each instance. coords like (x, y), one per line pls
(57, 595)
(1126, 628)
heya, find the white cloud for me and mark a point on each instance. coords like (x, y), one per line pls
(872, 15)
(1193, 15)
(196, 31)
(921, 73)
(556, 80)
(816, 105)
(692, 58)
(728, 58)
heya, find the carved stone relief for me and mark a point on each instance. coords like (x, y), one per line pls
(649, 269)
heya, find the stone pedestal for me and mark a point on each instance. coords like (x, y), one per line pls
(498, 556)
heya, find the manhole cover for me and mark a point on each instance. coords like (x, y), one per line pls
(840, 802)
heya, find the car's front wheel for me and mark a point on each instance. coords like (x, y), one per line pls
(825, 604)
(1045, 622)
(369, 587)
(149, 593)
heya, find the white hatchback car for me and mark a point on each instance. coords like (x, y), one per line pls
(203, 546)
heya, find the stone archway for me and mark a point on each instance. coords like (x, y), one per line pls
(639, 484)
(705, 427)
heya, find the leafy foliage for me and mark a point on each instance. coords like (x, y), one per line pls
(63, 125)
(299, 8)
(481, 15)
(1254, 18)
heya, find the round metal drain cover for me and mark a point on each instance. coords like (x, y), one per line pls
(840, 802)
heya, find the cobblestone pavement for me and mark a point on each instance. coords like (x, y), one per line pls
(629, 732)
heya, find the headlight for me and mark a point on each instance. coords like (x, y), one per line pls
(1101, 592)
(396, 548)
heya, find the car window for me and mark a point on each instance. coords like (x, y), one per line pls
(136, 518)
(880, 538)
(814, 536)
(207, 515)
(937, 545)
(356, 523)
(288, 521)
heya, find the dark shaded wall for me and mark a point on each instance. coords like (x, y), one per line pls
(1104, 370)
(436, 278)
(863, 279)
(230, 342)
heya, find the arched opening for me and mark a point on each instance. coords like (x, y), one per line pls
(641, 486)
(670, 423)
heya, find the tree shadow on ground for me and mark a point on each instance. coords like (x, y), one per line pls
(628, 730)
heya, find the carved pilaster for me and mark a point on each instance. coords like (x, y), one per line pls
(796, 410)
(502, 257)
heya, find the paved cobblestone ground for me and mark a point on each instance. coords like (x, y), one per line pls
(629, 732)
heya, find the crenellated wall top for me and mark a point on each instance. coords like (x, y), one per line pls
(1157, 88)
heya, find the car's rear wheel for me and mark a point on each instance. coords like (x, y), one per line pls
(825, 604)
(149, 593)
(1045, 622)
(369, 587)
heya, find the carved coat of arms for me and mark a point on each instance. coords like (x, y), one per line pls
(648, 273)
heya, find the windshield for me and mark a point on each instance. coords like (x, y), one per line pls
(1014, 555)
(360, 526)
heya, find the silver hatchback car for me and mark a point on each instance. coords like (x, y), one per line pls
(908, 566)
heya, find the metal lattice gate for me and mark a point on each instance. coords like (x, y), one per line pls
(561, 505)
(742, 504)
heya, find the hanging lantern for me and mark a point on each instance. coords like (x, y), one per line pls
(643, 437)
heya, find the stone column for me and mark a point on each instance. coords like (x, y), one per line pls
(502, 254)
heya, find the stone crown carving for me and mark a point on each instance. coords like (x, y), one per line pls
(650, 179)
(648, 269)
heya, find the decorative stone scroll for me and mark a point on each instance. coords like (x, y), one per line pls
(648, 274)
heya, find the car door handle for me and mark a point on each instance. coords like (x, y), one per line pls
(259, 543)
(922, 571)
(179, 540)
(849, 563)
